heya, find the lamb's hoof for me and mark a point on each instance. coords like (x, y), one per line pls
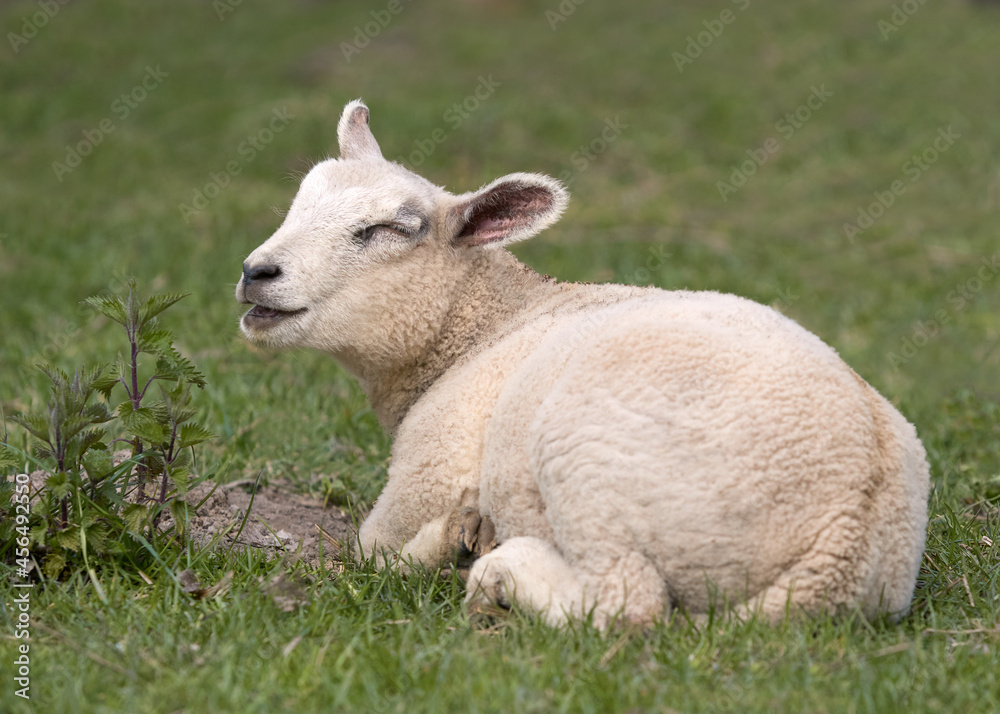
(472, 536)
(486, 597)
(486, 615)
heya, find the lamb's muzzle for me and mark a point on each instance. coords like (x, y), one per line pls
(632, 447)
(253, 289)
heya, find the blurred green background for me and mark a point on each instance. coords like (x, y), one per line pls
(684, 93)
(652, 112)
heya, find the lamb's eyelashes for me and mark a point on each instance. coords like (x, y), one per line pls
(367, 234)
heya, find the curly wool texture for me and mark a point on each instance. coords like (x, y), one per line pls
(636, 449)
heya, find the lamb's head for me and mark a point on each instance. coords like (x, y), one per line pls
(369, 256)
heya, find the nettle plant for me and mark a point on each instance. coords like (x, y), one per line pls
(103, 496)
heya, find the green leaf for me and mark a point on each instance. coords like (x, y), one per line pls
(153, 339)
(92, 439)
(157, 304)
(131, 305)
(152, 459)
(97, 413)
(192, 434)
(58, 484)
(87, 378)
(35, 424)
(73, 425)
(6, 492)
(97, 537)
(53, 564)
(182, 416)
(9, 456)
(182, 460)
(42, 452)
(68, 538)
(39, 533)
(111, 306)
(146, 429)
(181, 513)
(107, 382)
(181, 478)
(143, 424)
(59, 379)
(135, 517)
(172, 365)
(159, 410)
(98, 464)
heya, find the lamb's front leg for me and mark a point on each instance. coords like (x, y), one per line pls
(456, 538)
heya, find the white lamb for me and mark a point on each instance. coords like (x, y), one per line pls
(630, 449)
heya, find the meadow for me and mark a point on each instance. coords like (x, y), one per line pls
(838, 161)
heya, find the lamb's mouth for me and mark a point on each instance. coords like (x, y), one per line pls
(261, 316)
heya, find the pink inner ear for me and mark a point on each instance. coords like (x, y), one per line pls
(489, 230)
(502, 211)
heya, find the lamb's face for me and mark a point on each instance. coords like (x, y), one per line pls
(359, 242)
(368, 257)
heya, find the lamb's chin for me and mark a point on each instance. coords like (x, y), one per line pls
(271, 334)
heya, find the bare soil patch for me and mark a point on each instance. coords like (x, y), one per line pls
(280, 522)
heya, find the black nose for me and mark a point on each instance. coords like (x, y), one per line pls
(259, 272)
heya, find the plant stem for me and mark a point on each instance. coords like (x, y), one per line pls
(60, 452)
(163, 487)
(132, 330)
(136, 397)
(168, 459)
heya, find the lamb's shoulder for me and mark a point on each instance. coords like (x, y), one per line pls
(442, 434)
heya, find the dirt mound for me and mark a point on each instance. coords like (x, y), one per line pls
(280, 521)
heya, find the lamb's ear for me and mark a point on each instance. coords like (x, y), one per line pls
(510, 209)
(355, 138)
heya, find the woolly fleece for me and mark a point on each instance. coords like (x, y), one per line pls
(636, 449)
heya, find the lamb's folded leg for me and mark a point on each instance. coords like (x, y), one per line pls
(531, 573)
(458, 539)
(535, 575)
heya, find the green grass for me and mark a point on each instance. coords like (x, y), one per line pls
(652, 191)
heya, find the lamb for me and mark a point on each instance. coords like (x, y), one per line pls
(587, 450)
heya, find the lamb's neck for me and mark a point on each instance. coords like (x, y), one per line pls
(494, 290)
